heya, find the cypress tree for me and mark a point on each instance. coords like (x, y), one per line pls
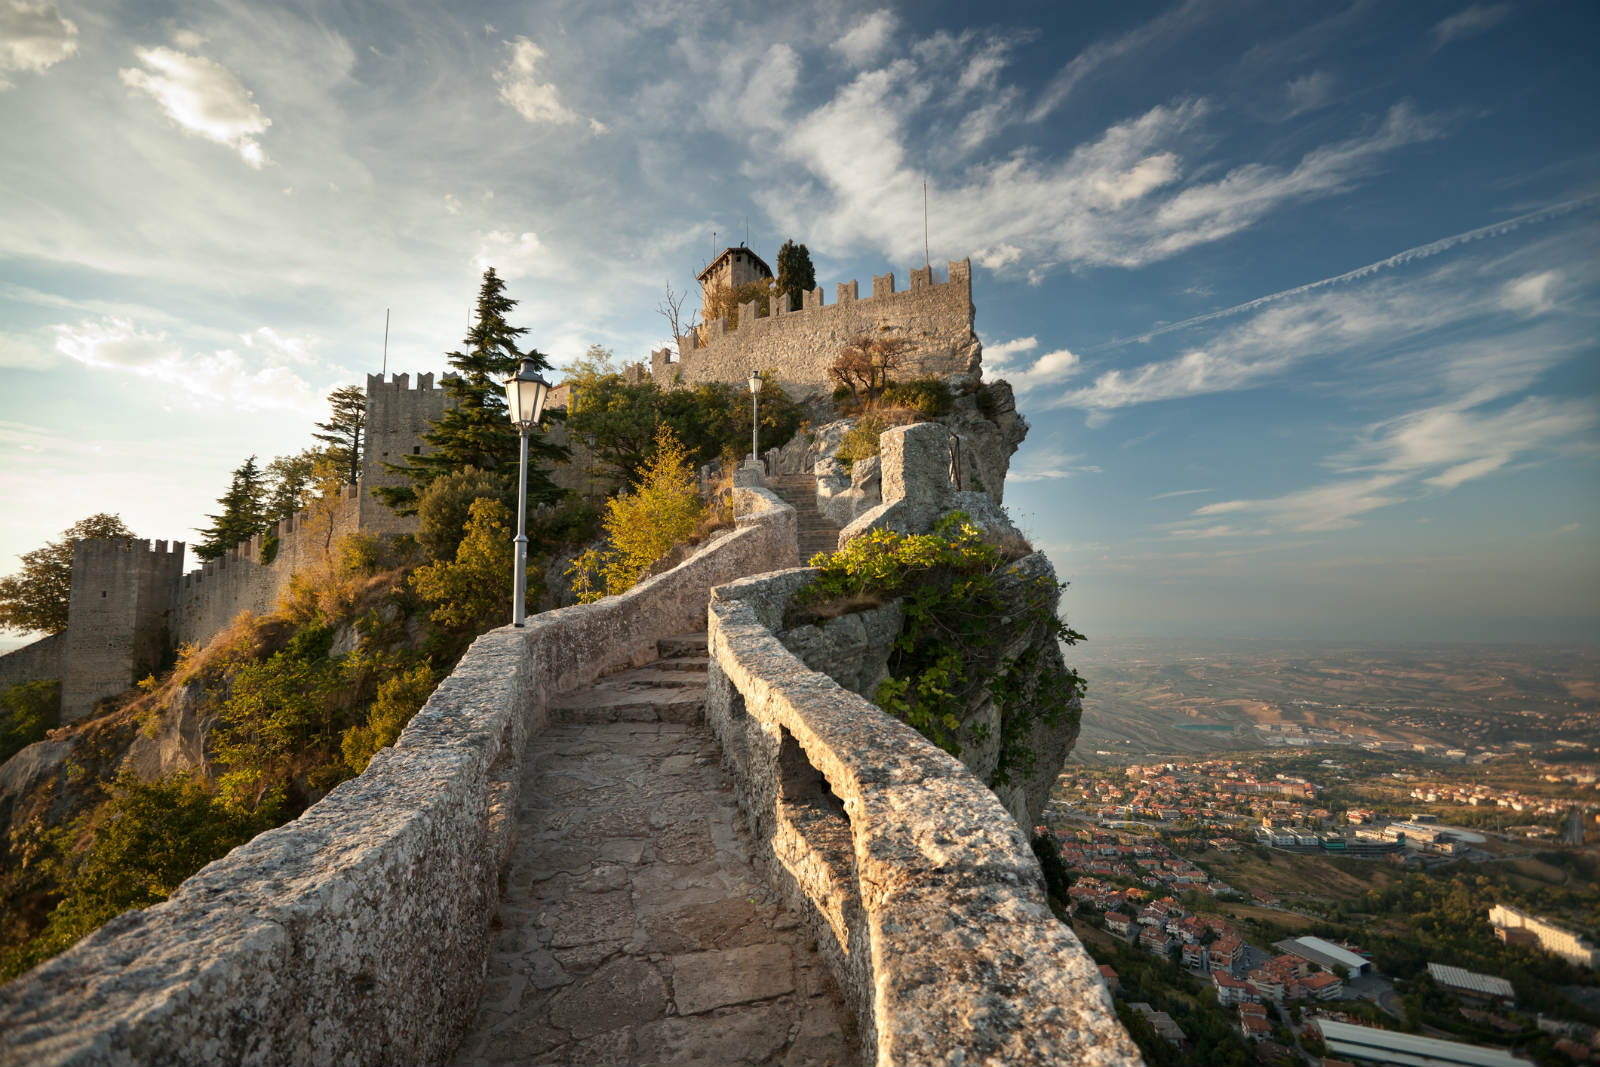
(244, 513)
(475, 430)
(796, 275)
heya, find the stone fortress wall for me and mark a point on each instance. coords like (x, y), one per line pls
(117, 617)
(397, 417)
(801, 343)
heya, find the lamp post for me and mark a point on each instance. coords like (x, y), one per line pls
(526, 392)
(755, 392)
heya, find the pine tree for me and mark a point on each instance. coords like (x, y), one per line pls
(796, 275)
(37, 597)
(342, 431)
(244, 513)
(475, 430)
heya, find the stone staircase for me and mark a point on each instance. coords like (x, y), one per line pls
(633, 926)
(816, 532)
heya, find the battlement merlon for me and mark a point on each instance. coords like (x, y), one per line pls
(401, 383)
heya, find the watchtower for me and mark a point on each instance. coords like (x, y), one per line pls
(116, 617)
(733, 268)
(397, 417)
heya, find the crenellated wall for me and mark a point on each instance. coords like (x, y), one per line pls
(117, 617)
(206, 600)
(359, 932)
(397, 417)
(41, 659)
(800, 344)
(920, 889)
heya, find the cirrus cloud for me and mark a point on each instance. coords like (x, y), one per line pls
(203, 97)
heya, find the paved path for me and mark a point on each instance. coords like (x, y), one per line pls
(633, 928)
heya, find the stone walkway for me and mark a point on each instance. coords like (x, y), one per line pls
(633, 928)
(815, 532)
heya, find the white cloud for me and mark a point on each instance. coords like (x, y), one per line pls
(1473, 20)
(999, 355)
(203, 97)
(1179, 492)
(33, 37)
(537, 101)
(452, 204)
(1051, 465)
(866, 38)
(1172, 24)
(260, 382)
(996, 256)
(1052, 368)
(1308, 92)
(512, 255)
(1333, 506)
(1531, 293)
(1461, 443)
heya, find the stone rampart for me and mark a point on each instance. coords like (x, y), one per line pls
(397, 417)
(117, 617)
(359, 933)
(921, 891)
(800, 344)
(31, 663)
(206, 600)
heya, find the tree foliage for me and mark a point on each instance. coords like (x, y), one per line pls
(865, 364)
(723, 301)
(472, 592)
(796, 275)
(243, 515)
(446, 507)
(37, 597)
(662, 510)
(27, 712)
(342, 433)
(475, 430)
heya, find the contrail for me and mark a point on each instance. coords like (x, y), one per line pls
(1433, 248)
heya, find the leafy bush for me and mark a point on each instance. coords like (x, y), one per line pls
(949, 648)
(399, 698)
(929, 396)
(861, 440)
(663, 510)
(147, 838)
(27, 712)
(472, 592)
(446, 505)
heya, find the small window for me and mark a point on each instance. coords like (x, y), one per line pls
(416, 450)
(102, 594)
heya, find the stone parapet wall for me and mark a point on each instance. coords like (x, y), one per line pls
(800, 344)
(922, 893)
(31, 663)
(359, 933)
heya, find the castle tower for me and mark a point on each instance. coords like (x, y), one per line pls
(116, 617)
(397, 417)
(733, 268)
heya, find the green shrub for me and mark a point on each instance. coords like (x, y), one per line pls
(399, 698)
(861, 440)
(949, 647)
(445, 506)
(269, 548)
(930, 396)
(28, 712)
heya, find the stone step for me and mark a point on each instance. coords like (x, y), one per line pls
(646, 694)
(681, 645)
(684, 664)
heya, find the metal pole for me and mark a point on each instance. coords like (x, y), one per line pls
(755, 449)
(519, 580)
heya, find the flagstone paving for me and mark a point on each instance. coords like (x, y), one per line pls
(633, 928)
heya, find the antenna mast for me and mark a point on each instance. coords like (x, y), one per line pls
(385, 343)
(926, 262)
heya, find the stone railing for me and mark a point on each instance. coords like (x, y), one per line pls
(359, 932)
(921, 891)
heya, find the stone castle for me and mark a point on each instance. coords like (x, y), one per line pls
(426, 911)
(131, 600)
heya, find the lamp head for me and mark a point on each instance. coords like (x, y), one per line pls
(526, 393)
(755, 381)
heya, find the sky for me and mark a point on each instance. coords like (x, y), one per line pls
(1299, 300)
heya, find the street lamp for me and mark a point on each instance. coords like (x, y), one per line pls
(525, 395)
(755, 392)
